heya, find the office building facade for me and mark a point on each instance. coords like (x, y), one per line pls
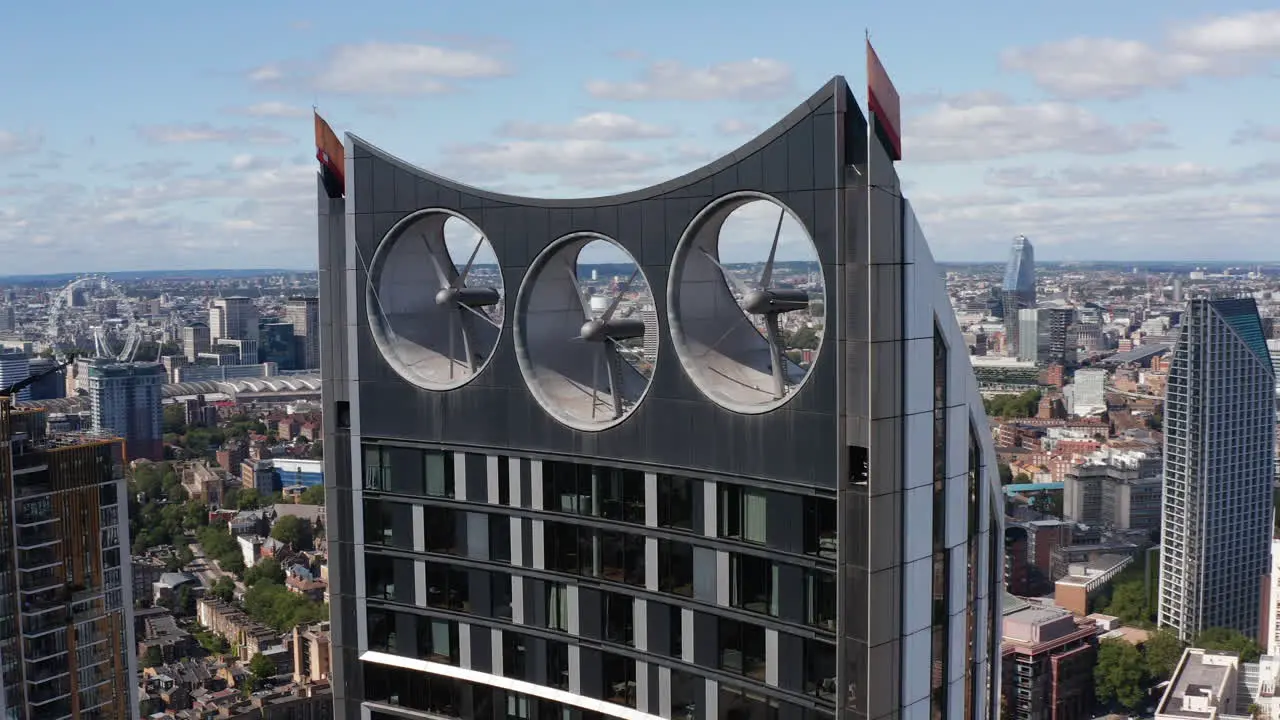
(195, 341)
(66, 598)
(706, 549)
(1219, 467)
(303, 313)
(1019, 291)
(125, 400)
(15, 366)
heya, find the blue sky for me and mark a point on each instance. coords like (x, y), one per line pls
(170, 135)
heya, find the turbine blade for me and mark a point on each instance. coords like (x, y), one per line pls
(452, 358)
(767, 276)
(461, 280)
(572, 268)
(440, 273)
(618, 298)
(479, 314)
(595, 387)
(775, 355)
(728, 276)
(611, 361)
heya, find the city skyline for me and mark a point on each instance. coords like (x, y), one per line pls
(1037, 135)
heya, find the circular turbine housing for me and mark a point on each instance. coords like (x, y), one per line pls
(720, 349)
(569, 355)
(432, 328)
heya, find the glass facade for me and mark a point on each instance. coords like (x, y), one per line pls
(586, 587)
(941, 557)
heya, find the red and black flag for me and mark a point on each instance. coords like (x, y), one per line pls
(332, 159)
(886, 109)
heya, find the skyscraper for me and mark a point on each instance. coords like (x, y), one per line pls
(1019, 290)
(196, 339)
(233, 322)
(66, 628)
(304, 314)
(1219, 467)
(732, 537)
(15, 366)
(125, 399)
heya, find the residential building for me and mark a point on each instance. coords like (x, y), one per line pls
(644, 561)
(125, 399)
(1048, 656)
(66, 605)
(1220, 421)
(311, 657)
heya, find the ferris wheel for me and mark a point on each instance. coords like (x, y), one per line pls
(116, 332)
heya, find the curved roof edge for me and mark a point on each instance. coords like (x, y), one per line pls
(835, 90)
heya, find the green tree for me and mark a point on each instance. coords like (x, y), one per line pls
(152, 658)
(1163, 650)
(224, 589)
(175, 419)
(317, 450)
(1006, 473)
(292, 531)
(233, 564)
(248, 499)
(1129, 603)
(282, 610)
(313, 495)
(1120, 674)
(261, 668)
(267, 571)
(1229, 640)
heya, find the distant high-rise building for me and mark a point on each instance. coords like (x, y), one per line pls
(15, 365)
(1019, 289)
(278, 345)
(303, 313)
(195, 340)
(1219, 466)
(8, 319)
(66, 596)
(49, 386)
(125, 400)
(233, 318)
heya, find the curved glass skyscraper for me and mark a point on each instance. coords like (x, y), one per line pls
(1019, 289)
(747, 532)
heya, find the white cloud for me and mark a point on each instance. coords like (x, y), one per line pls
(733, 126)
(1129, 180)
(606, 126)
(1254, 132)
(755, 79)
(204, 132)
(19, 143)
(272, 109)
(1112, 68)
(585, 164)
(989, 127)
(376, 68)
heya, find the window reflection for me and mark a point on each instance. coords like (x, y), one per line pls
(437, 640)
(743, 514)
(675, 567)
(753, 584)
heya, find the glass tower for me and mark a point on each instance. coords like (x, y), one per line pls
(1019, 290)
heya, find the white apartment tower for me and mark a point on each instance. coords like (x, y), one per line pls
(1219, 464)
(235, 319)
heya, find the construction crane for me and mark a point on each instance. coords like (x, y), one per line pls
(22, 384)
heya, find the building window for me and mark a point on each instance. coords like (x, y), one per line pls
(569, 548)
(377, 468)
(500, 538)
(820, 669)
(820, 599)
(408, 471)
(438, 640)
(618, 620)
(675, 502)
(742, 648)
(380, 576)
(622, 557)
(941, 571)
(504, 481)
(820, 527)
(382, 631)
(971, 580)
(515, 660)
(448, 587)
(566, 488)
(557, 606)
(557, 665)
(675, 567)
(743, 514)
(444, 533)
(736, 703)
(618, 675)
(388, 523)
(675, 623)
(500, 594)
(621, 494)
(753, 584)
(439, 473)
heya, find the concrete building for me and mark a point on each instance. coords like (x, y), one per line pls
(1269, 637)
(125, 399)
(66, 602)
(311, 657)
(1047, 660)
(1220, 421)
(233, 318)
(1086, 395)
(303, 313)
(1084, 581)
(195, 341)
(658, 546)
(1113, 489)
(1206, 684)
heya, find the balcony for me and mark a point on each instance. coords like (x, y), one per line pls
(36, 535)
(38, 557)
(39, 624)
